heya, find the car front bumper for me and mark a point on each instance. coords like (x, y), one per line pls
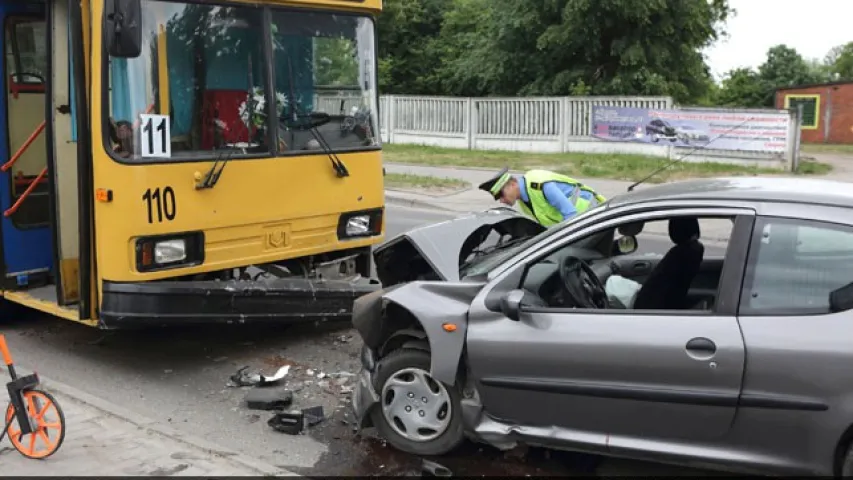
(364, 396)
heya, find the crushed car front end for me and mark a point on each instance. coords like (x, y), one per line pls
(426, 295)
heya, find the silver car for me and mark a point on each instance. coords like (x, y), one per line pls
(732, 350)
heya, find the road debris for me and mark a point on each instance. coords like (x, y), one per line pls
(242, 379)
(293, 422)
(273, 398)
(432, 469)
(313, 415)
(290, 422)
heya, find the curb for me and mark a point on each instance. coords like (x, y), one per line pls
(403, 201)
(144, 423)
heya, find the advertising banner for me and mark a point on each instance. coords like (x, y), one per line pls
(711, 129)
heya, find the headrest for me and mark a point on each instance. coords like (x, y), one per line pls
(683, 229)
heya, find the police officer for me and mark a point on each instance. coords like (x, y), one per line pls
(548, 197)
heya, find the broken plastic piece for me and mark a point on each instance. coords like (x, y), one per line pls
(313, 415)
(269, 398)
(242, 379)
(432, 469)
(279, 376)
(290, 422)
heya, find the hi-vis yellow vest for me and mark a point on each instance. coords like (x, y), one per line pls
(539, 208)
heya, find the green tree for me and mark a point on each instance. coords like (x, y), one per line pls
(742, 87)
(785, 67)
(335, 62)
(839, 61)
(407, 55)
(556, 47)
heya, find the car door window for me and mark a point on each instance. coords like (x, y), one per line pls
(794, 265)
(624, 274)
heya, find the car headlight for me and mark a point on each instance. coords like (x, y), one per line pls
(363, 223)
(169, 251)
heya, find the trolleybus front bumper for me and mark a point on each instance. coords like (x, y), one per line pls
(287, 300)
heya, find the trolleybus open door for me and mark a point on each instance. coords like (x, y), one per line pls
(24, 193)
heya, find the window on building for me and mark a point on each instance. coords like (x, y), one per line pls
(811, 108)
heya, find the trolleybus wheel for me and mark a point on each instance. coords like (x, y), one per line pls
(48, 422)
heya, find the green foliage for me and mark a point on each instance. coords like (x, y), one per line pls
(549, 47)
(783, 67)
(580, 47)
(335, 62)
(839, 61)
(743, 87)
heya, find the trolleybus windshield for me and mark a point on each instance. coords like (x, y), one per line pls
(202, 84)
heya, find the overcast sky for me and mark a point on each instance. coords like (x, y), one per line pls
(810, 26)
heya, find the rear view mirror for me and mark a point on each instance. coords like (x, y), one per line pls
(123, 28)
(511, 304)
(625, 245)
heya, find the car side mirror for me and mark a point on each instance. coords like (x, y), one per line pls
(511, 304)
(122, 28)
(625, 245)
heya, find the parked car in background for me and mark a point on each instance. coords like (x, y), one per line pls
(691, 135)
(737, 360)
(660, 129)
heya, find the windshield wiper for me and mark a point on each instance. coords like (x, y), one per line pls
(212, 176)
(339, 167)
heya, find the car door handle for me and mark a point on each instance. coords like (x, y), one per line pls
(640, 266)
(701, 344)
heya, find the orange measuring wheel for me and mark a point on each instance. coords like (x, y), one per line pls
(48, 425)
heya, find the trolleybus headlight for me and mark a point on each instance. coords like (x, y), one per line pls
(169, 251)
(363, 223)
(359, 225)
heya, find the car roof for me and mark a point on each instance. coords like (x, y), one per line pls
(747, 189)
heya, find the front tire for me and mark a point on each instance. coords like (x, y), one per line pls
(416, 413)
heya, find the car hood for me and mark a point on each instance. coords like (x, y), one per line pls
(436, 251)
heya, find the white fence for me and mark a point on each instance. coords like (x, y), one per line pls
(536, 124)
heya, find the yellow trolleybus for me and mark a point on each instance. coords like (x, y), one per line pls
(168, 162)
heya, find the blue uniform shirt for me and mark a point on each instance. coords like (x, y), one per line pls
(557, 194)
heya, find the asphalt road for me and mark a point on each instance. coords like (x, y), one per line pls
(180, 375)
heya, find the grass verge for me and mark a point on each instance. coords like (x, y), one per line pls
(423, 182)
(826, 148)
(583, 165)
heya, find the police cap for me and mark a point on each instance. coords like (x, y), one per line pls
(496, 183)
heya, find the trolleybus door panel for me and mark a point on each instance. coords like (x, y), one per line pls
(26, 234)
(65, 158)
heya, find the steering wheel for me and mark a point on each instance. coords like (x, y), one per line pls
(581, 284)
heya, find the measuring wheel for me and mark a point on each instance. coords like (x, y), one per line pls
(47, 425)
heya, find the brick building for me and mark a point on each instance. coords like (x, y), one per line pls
(827, 110)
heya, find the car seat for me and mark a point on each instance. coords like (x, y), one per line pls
(669, 283)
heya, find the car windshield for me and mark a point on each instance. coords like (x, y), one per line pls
(487, 263)
(201, 83)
